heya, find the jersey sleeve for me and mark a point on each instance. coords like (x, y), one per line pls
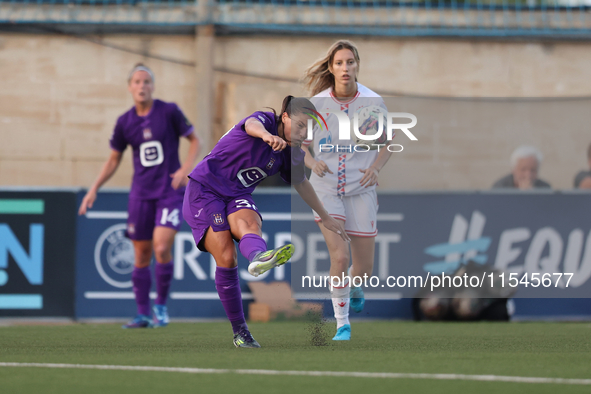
(293, 171)
(118, 141)
(266, 118)
(181, 124)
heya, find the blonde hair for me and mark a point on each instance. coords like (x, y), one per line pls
(140, 67)
(318, 77)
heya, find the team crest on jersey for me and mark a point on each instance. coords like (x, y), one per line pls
(270, 164)
(218, 219)
(147, 133)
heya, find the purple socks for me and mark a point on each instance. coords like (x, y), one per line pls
(163, 279)
(250, 245)
(228, 287)
(142, 281)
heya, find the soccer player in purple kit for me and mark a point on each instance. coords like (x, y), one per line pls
(153, 128)
(219, 207)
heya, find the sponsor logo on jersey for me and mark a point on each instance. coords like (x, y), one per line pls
(270, 164)
(250, 176)
(131, 228)
(151, 153)
(326, 140)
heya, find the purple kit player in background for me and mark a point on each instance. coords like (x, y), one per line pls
(153, 129)
(219, 207)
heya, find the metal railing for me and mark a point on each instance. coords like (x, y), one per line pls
(471, 18)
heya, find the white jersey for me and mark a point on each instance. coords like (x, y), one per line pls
(343, 161)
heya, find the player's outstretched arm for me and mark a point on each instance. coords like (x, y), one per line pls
(179, 178)
(255, 129)
(306, 191)
(107, 171)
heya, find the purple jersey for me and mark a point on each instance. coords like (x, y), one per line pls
(239, 162)
(154, 139)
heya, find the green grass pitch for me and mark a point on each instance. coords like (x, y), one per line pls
(555, 350)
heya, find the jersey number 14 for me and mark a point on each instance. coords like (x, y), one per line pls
(172, 218)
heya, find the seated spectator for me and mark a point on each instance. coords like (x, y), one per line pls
(583, 178)
(525, 163)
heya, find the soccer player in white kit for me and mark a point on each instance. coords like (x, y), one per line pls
(344, 179)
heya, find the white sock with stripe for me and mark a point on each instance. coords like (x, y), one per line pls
(340, 304)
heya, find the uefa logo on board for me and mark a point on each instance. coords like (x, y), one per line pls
(114, 256)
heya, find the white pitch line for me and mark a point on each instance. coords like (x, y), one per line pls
(378, 375)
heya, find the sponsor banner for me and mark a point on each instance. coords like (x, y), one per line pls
(532, 245)
(105, 261)
(37, 244)
(414, 230)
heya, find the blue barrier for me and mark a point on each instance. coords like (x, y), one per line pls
(544, 232)
(415, 230)
(473, 18)
(37, 262)
(105, 262)
(422, 235)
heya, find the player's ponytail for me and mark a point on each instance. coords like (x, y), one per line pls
(286, 104)
(293, 106)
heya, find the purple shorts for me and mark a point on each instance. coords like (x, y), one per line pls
(203, 208)
(144, 215)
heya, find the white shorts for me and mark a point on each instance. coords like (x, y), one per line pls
(359, 212)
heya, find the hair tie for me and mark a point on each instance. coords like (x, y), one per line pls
(141, 68)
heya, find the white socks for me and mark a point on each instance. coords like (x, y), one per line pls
(340, 303)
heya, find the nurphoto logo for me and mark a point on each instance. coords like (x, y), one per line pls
(372, 127)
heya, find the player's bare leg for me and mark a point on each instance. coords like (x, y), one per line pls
(362, 251)
(338, 250)
(221, 246)
(163, 241)
(142, 282)
(143, 253)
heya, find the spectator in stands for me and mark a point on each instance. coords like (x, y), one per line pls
(583, 178)
(525, 163)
